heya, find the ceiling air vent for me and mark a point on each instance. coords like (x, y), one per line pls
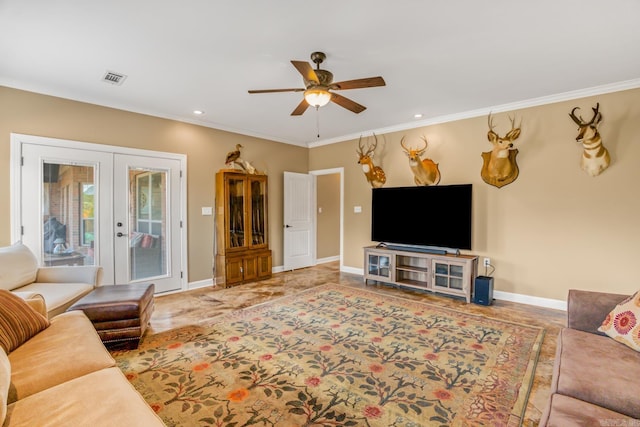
(113, 78)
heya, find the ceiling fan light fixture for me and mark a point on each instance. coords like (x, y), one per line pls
(317, 97)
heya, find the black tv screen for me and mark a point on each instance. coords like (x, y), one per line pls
(423, 216)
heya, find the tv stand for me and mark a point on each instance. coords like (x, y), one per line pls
(451, 274)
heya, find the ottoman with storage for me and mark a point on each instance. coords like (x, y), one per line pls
(120, 313)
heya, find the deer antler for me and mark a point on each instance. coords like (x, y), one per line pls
(596, 114)
(404, 147)
(372, 149)
(360, 147)
(490, 122)
(426, 144)
(579, 121)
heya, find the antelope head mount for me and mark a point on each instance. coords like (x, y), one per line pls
(595, 157)
(499, 166)
(425, 172)
(375, 175)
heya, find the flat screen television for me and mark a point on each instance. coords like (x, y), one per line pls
(431, 216)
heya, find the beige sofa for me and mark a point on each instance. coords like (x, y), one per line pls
(64, 376)
(56, 288)
(595, 378)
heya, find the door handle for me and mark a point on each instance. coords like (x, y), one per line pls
(119, 234)
(287, 226)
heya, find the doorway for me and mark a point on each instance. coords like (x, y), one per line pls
(87, 204)
(328, 215)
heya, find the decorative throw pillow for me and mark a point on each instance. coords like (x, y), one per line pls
(623, 323)
(18, 321)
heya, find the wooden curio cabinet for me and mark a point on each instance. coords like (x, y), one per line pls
(242, 244)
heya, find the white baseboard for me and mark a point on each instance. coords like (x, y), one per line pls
(280, 268)
(531, 300)
(328, 259)
(352, 270)
(504, 296)
(200, 284)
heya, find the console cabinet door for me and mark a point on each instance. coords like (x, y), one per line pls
(379, 266)
(448, 275)
(233, 269)
(264, 264)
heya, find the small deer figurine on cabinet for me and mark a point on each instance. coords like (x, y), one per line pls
(595, 157)
(425, 172)
(375, 175)
(499, 166)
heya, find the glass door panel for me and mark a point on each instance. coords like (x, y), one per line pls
(258, 209)
(236, 213)
(68, 214)
(147, 223)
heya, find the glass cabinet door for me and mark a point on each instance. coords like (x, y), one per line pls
(236, 216)
(448, 275)
(379, 265)
(258, 200)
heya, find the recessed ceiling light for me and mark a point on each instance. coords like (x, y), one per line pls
(198, 112)
(417, 116)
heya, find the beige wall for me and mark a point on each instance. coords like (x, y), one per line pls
(328, 226)
(35, 114)
(555, 227)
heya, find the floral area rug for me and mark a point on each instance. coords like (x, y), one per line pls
(338, 356)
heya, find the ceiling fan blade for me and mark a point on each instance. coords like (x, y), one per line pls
(301, 108)
(359, 83)
(277, 90)
(307, 72)
(347, 103)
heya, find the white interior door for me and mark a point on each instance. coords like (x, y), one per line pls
(147, 221)
(90, 206)
(299, 220)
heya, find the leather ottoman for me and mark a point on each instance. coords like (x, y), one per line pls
(120, 313)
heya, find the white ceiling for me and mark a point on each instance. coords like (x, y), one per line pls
(440, 58)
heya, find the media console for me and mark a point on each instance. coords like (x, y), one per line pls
(441, 273)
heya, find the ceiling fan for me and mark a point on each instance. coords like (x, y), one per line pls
(318, 84)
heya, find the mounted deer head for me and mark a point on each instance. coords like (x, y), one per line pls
(375, 175)
(595, 157)
(425, 172)
(499, 166)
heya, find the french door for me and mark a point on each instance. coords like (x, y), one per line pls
(91, 207)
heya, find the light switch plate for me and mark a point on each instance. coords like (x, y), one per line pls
(207, 210)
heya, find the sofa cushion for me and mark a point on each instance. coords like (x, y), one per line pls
(67, 349)
(59, 296)
(623, 322)
(5, 382)
(102, 398)
(18, 321)
(596, 369)
(566, 411)
(18, 266)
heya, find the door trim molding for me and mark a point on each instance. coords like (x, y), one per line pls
(332, 171)
(15, 186)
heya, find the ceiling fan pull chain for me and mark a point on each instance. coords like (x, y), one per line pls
(318, 120)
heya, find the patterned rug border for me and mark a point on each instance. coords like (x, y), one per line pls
(369, 291)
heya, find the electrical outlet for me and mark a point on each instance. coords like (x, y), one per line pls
(487, 262)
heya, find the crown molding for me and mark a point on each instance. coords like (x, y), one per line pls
(533, 102)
